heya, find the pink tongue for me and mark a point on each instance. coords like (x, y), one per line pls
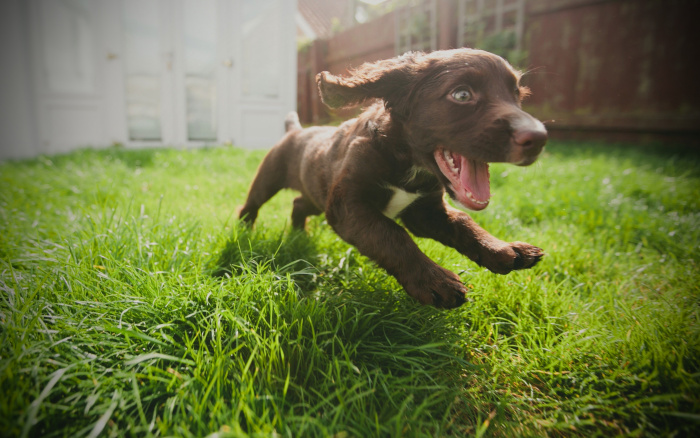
(474, 176)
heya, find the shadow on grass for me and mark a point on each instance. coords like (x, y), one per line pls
(293, 253)
(333, 273)
(346, 330)
(131, 158)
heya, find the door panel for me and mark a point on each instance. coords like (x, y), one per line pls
(200, 67)
(69, 102)
(256, 122)
(265, 81)
(261, 57)
(143, 69)
(73, 125)
(68, 42)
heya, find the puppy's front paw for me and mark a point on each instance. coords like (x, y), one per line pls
(512, 256)
(440, 288)
(246, 215)
(527, 255)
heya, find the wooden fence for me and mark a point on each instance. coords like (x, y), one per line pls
(604, 69)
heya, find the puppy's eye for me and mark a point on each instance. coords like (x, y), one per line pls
(461, 96)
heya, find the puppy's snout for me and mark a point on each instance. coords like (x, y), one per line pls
(530, 138)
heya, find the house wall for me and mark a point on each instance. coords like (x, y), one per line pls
(17, 138)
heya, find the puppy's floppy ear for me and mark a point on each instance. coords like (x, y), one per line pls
(389, 80)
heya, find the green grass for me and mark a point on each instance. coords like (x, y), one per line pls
(133, 304)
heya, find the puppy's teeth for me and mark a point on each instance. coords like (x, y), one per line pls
(471, 197)
(450, 160)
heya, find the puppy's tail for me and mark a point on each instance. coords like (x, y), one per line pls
(291, 122)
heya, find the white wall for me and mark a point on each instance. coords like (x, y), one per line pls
(18, 138)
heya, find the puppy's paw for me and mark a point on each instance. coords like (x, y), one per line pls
(512, 256)
(440, 288)
(527, 255)
(246, 215)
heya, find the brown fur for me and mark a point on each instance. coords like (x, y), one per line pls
(351, 173)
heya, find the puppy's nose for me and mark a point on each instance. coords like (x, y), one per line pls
(530, 138)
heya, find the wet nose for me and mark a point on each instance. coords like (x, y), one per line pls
(530, 138)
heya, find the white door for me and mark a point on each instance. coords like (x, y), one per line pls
(173, 72)
(206, 71)
(69, 44)
(263, 78)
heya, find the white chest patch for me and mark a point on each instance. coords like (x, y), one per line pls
(398, 202)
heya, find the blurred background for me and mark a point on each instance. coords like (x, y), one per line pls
(137, 73)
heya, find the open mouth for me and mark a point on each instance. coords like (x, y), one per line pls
(469, 179)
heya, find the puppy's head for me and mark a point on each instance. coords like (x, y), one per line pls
(460, 110)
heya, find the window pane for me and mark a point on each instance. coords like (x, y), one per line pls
(142, 63)
(200, 68)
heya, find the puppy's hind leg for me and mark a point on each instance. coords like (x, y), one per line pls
(269, 180)
(302, 209)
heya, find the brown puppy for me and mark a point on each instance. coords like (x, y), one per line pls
(442, 117)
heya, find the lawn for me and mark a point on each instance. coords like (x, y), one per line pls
(134, 304)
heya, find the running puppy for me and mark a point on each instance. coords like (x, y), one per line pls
(440, 119)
